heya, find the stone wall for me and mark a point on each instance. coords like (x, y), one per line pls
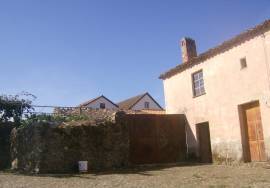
(101, 114)
(51, 147)
(5, 130)
(93, 114)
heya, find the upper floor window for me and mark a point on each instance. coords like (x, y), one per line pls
(243, 63)
(198, 83)
(146, 105)
(102, 105)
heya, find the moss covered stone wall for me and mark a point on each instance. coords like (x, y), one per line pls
(50, 147)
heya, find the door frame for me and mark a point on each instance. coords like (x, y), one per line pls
(244, 128)
(199, 139)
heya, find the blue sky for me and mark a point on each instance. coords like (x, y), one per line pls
(68, 51)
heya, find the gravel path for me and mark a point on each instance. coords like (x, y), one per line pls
(178, 176)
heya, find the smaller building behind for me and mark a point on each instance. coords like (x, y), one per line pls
(140, 102)
(143, 103)
(100, 102)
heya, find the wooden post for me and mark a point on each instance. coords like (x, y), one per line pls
(80, 111)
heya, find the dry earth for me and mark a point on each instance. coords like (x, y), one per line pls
(247, 175)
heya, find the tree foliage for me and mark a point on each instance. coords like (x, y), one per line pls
(15, 107)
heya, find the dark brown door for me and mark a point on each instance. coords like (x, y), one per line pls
(254, 129)
(203, 137)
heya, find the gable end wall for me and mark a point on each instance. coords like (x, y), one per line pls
(95, 104)
(140, 105)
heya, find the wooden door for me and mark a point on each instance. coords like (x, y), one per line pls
(204, 142)
(254, 132)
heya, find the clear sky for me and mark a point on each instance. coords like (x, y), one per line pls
(68, 51)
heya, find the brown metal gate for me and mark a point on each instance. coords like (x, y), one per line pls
(156, 138)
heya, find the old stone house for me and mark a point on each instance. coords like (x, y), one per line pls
(225, 95)
(100, 102)
(140, 102)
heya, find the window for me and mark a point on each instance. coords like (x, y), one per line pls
(198, 83)
(102, 105)
(243, 63)
(146, 105)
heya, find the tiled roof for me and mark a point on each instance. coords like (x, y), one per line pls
(129, 103)
(238, 39)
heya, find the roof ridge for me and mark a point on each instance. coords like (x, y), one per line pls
(131, 98)
(132, 101)
(89, 101)
(96, 98)
(142, 95)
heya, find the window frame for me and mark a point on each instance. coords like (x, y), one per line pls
(146, 106)
(193, 84)
(101, 104)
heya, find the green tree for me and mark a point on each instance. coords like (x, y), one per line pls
(15, 107)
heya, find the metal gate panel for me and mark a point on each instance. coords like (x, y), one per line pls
(156, 138)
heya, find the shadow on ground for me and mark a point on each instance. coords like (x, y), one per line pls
(145, 170)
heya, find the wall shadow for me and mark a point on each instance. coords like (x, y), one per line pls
(144, 170)
(192, 143)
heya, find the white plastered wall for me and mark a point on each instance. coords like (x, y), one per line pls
(140, 104)
(227, 86)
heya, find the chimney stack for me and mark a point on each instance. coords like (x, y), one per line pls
(188, 47)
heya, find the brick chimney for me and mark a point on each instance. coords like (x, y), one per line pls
(188, 47)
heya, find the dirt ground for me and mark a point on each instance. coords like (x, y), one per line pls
(245, 175)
